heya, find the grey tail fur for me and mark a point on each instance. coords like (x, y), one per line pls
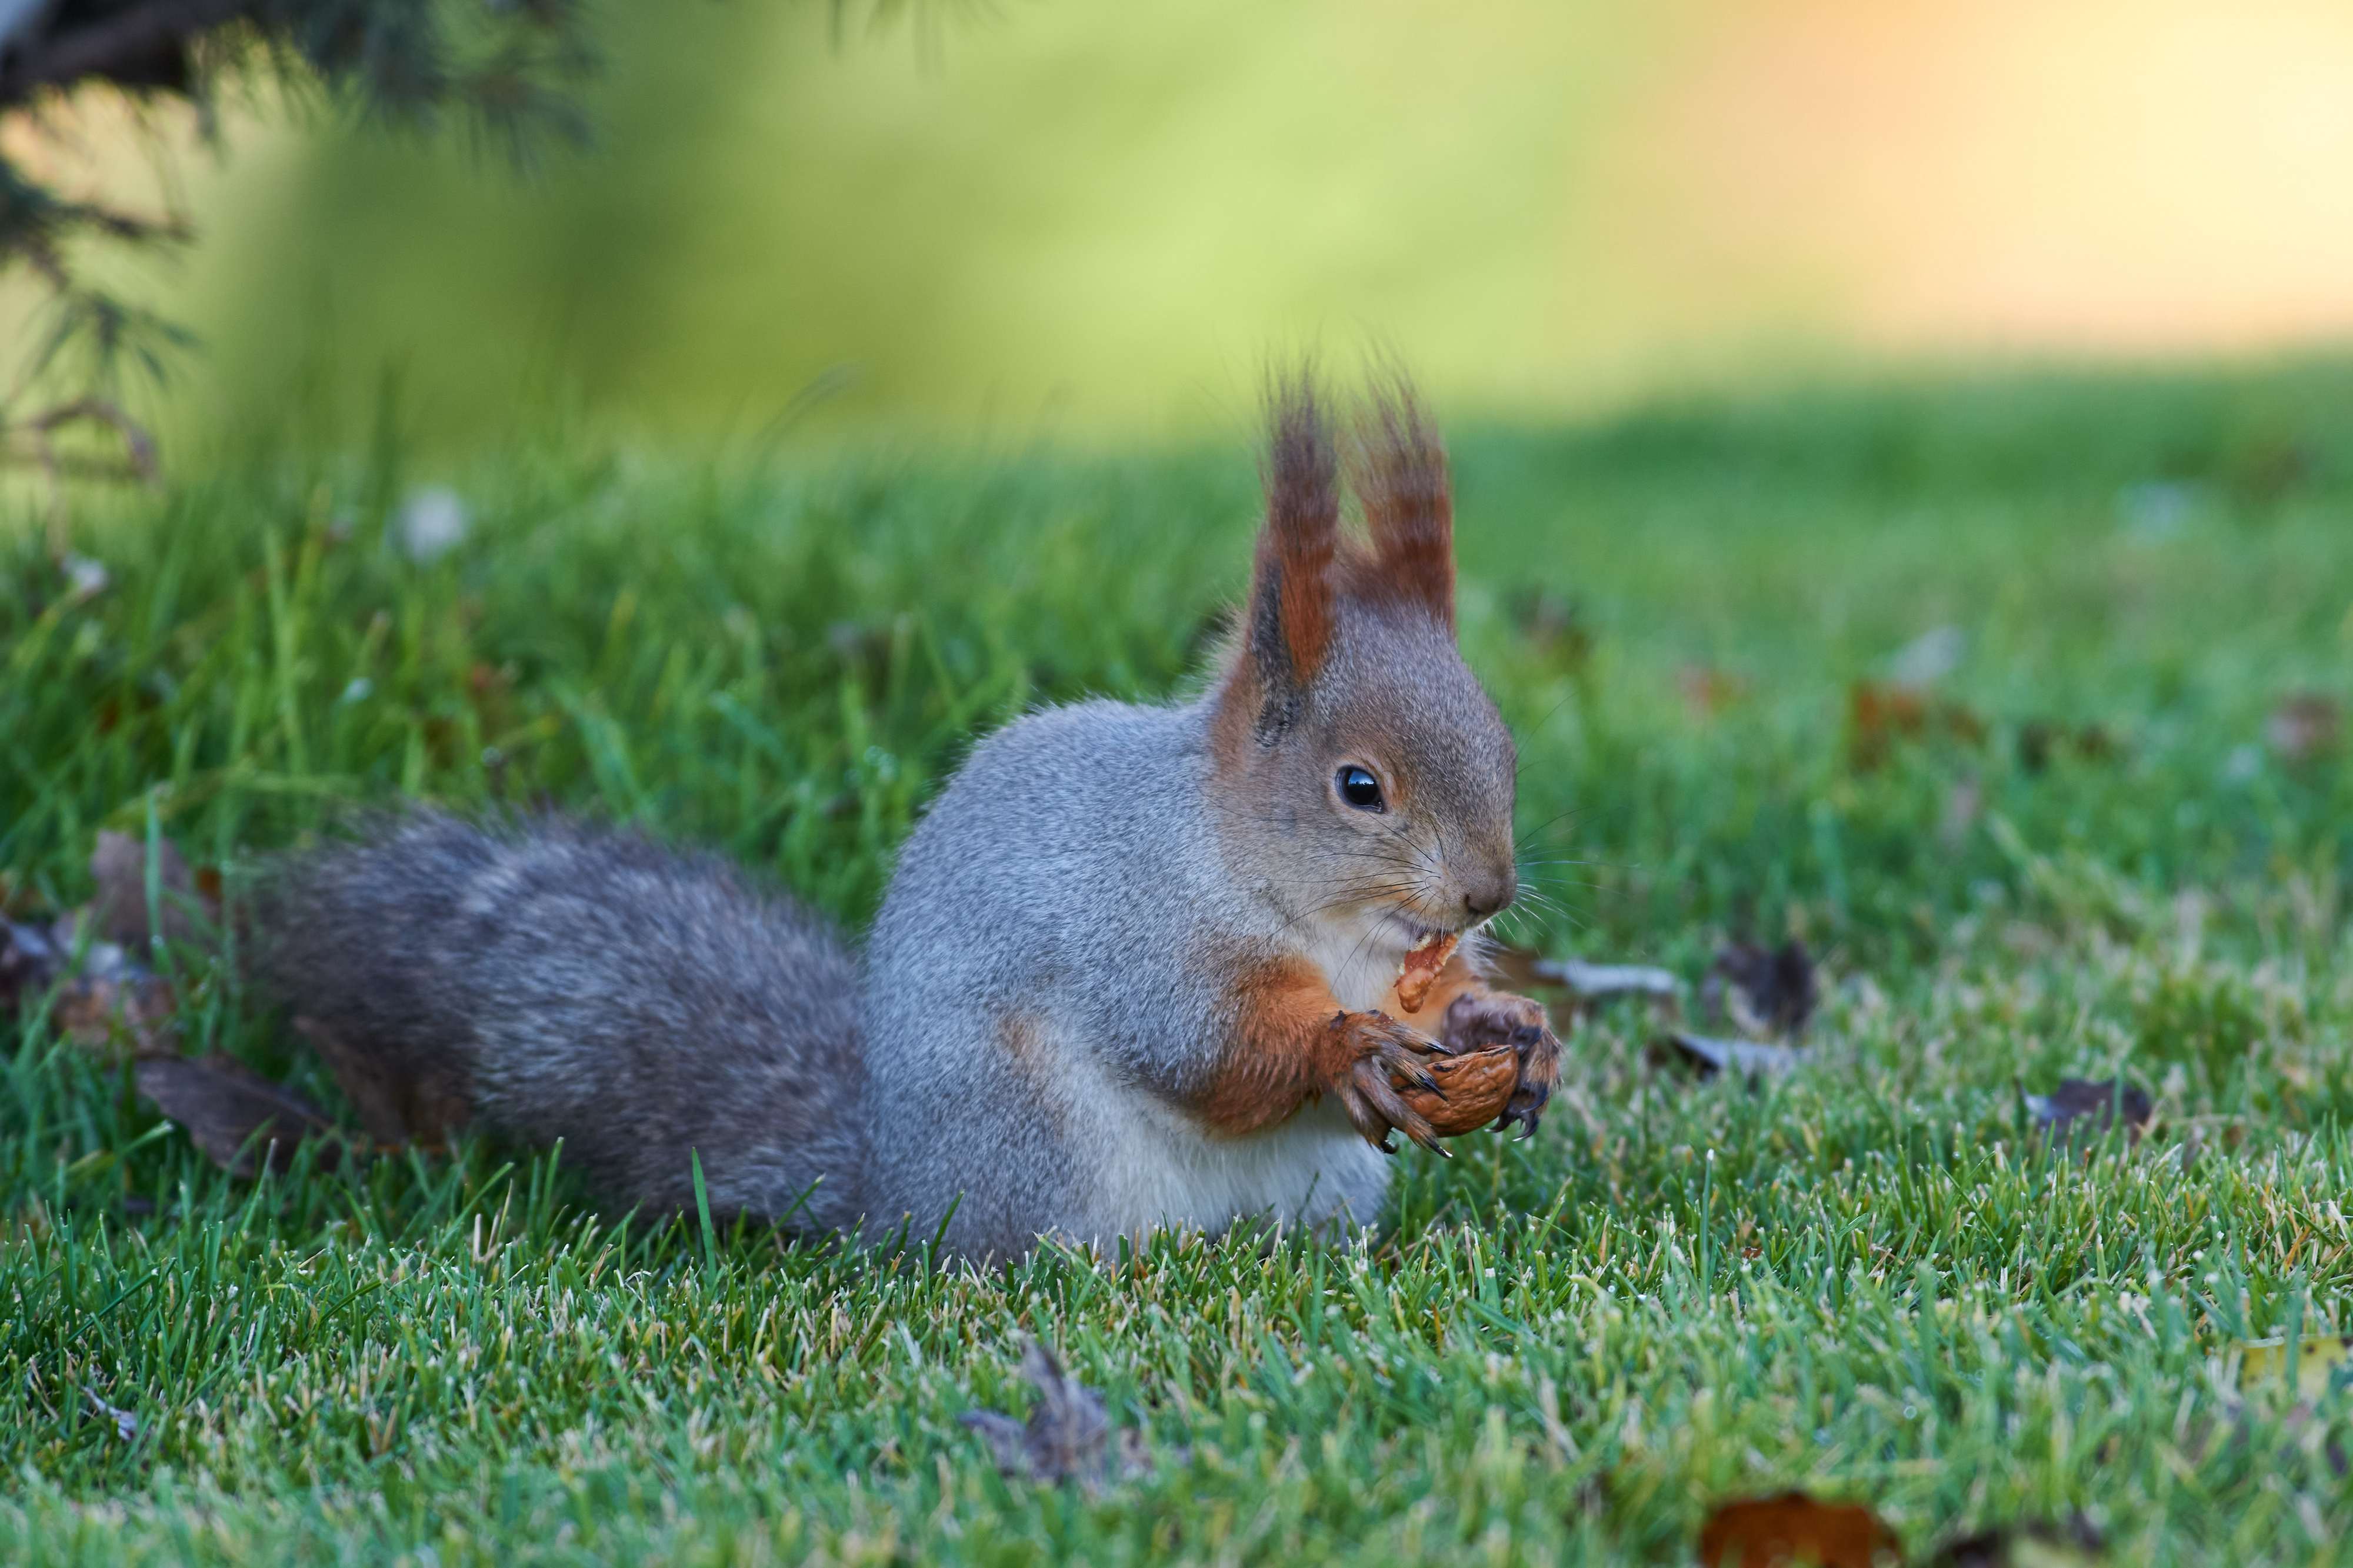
(571, 982)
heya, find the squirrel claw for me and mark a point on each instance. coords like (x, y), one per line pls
(1526, 1120)
(1385, 1057)
(1482, 1019)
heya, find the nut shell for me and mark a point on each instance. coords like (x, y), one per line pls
(1419, 971)
(1477, 1084)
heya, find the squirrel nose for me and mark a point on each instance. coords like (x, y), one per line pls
(1491, 895)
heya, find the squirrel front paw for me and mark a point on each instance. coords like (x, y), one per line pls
(1377, 1057)
(1479, 1020)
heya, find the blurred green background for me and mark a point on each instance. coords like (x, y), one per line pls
(468, 497)
(1046, 217)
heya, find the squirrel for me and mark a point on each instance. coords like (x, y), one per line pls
(1134, 969)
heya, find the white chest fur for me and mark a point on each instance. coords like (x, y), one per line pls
(1359, 958)
(1156, 1168)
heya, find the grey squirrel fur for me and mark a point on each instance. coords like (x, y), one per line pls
(1134, 969)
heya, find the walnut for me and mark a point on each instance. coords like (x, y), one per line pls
(1476, 1084)
(1419, 971)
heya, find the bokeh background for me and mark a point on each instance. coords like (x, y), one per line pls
(1094, 222)
(1904, 448)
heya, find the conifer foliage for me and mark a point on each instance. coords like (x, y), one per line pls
(503, 68)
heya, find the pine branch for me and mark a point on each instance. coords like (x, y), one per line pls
(122, 46)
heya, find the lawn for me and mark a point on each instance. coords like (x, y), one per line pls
(2103, 851)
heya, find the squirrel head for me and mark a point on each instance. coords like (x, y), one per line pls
(1367, 776)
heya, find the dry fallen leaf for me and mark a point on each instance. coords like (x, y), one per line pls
(1591, 982)
(1067, 1434)
(112, 1004)
(1929, 658)
(126, 1424)
(1708, 691)
(1516, 969)
(2315, 1366)
(432, 522)
(2075, 1544)
(1747, 1058)
(29, 962)
(226, 1106)
(1523, 969)
(2041, 742)
(2321, 1375)
(118, 911)
(1765, 991)
(1879, 715)
(106, 997)
(1554, 627)
(2304, 726)
(105, 1001)
(85, 579)
(1964, 803)
(1792, 1529)
(2095, 1103)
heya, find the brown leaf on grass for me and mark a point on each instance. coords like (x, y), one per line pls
(1929, 658)
(1964, 803)
(2074, 1544)
(226, 1107)
(2091, 1107)
(107, 1000)
(1707, 691)
(1749, 1058)
(1522, 968)
(126, 1423)
(1792, 1529)
(2304, 727)
(29, 960)
(1592, 982)
(2270, 467)
(1068, 1435)
(2309, 1422)
(394, 1108)
(118, 911)
(1877, 716)
(2316, 1369)
(492, 688)
(116, 1005)
(1882, 713)
(1553, 626)
(2315, 1365)
(861, 647)
(1765, 991)
(2041, 742)
(1519, 969)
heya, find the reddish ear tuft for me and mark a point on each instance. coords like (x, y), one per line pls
(1409, 501)
(1292, 590)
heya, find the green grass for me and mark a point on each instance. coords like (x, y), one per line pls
(1864, 1279)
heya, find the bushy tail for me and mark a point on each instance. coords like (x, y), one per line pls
(566, 981)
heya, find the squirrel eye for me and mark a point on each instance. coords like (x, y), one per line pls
(1359, 788)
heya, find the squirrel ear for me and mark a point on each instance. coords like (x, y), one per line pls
(1409, 501)
(1292, 590)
